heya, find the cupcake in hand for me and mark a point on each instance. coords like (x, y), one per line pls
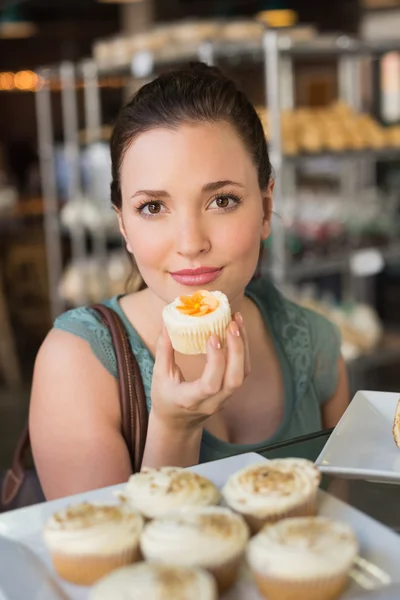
(267, 492)
(307, 558)
(191, 320)
(88, 541)
(155, 492)
(212, 537)
(152, 581)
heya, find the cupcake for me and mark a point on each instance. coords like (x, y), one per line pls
(210, 537)
(190, 320)
(88, 541)
(155, 492)
(152, 581)
(267, 492)
(308, 558)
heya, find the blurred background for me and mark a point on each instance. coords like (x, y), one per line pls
(325, 79)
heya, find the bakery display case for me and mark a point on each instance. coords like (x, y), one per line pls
(333, 220)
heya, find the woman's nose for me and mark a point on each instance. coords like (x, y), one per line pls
(191, 238)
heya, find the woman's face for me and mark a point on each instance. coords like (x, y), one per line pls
(192, 211)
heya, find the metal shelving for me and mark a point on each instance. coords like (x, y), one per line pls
(277, 53)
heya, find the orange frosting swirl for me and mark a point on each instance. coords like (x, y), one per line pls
(198, 304)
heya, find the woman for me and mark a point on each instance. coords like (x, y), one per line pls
(192, 189)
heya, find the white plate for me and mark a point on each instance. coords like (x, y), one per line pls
(362, 444)
(378, 543)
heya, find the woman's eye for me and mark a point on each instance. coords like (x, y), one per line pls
(152, 208)
(224, 202)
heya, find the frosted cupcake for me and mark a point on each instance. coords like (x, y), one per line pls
(88, 541)
(267, 492)
(155, 492)
(152, 581)
(191, 320)
(212, 537)
(307, 558)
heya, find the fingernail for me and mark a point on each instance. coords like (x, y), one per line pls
(215, 343)
(234, 329)
(239, 319)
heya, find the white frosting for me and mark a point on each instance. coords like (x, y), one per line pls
(151, 581)
(155, 492)
(93, 529)
(202, 536)
(172, 315)
(303, 548)
(273, 487)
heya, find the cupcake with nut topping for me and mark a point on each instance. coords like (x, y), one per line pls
(191, 320)
(270, 491)
(88, 541)
(155, 492)
(212, 537)
(307, 558)
(152, 581)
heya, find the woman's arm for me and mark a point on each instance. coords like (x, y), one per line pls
(75, 419)
(333, 409)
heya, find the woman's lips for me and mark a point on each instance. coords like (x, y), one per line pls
(196, 277)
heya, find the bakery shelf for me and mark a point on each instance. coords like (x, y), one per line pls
(318, 267)
(378, 154)
(387, 351)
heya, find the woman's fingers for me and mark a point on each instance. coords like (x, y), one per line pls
(235, 364)
(213, 375)
(247, 363)
(194, 393)
(165, 358)
(224, 371)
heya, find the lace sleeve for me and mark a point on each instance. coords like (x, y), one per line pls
(326, 344)
(84, 323)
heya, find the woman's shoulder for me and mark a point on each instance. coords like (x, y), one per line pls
(287, 314)
(311, 343)
(85, 323)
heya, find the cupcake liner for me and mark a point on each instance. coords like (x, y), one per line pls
(306, 509)
(87, 569)
(327, 588)
(194, 340)
(227, 573)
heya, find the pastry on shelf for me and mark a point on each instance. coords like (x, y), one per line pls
(89, 281)
(244, 30)
(194, 31)
(359, 326)
(392, 136)
(310, 138)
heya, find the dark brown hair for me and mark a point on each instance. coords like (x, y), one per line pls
(195, 94)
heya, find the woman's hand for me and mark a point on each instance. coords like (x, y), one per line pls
(182, 405)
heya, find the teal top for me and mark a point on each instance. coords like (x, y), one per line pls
(307, 346)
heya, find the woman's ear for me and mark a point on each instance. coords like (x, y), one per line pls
(122, 228)
(267, 197)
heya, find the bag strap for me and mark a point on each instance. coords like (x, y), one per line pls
(132, 397)
(14, 477)
(133, 406)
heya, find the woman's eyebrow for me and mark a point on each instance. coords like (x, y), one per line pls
(153, 194)
(216, 185)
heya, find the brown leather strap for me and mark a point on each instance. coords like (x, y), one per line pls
(15, 475)
(134, 415)
(132, 397)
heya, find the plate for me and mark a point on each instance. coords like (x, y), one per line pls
(378, 544)
(362, 445)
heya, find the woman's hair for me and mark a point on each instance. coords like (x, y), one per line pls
(196, 94)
